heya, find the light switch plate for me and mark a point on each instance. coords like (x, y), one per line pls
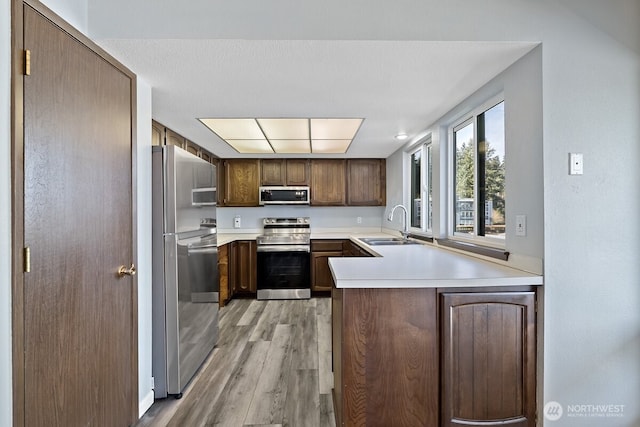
(521, 225)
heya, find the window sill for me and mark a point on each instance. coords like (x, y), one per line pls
(487, 251)
(421, 237)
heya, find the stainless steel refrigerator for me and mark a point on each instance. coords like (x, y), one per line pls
(185, 267)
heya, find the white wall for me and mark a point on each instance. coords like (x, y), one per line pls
(75, 12)
(5, 214)
(521, 85)
(145, 388)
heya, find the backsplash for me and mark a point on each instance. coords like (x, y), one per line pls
(322, 217)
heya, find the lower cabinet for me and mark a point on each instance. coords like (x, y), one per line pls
(434, 357)
(488, 359)
(243, 267)
(223, 275)
(321, 251)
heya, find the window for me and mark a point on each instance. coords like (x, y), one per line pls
(421, 189)
(479, 175)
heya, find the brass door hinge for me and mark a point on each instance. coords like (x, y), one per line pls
(27, 260)
(27, 62)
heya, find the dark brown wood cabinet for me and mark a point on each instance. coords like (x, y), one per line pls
(366, 182)
(434, 357)
(297, 172)
(488, 359)
(243, 267)
(293, 172)
(241, 180)
(321, 251)
(273, 172)
(328, 182)
(385, 357)
(223, 275)
(350, 249)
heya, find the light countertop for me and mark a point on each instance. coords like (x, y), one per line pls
(423, 266)
(409, 266)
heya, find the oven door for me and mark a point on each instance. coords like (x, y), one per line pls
(284, 272)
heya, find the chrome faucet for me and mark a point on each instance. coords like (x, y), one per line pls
(405, 225)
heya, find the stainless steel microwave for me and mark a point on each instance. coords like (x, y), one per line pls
(274, 195)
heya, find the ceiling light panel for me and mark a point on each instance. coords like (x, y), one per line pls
(234, 128)
(330, 146)
(285, 128)
(291, 146)
(334, 128)
(251, 146)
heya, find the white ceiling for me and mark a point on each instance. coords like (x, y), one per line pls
(396, 86)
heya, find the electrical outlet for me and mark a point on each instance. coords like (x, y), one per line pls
(359, 220)
(236, 221)
(521, 225)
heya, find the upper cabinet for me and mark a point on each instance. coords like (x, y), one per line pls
(157, 133)
(241, 182)
(161, 135)
(172, 138)
(293, 172)
(273, 172)
(298, 172)
(366, 182)
(192, 148)
(328, 183)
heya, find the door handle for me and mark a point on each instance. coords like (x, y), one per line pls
(124, 271)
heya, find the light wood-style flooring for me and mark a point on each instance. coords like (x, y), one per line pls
(271, 367)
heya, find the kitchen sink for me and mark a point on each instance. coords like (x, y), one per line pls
(377, 241)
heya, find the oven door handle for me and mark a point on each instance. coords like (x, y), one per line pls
(283, 248)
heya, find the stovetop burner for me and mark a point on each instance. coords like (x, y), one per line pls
(285, 231)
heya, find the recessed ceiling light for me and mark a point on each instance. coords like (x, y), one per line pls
(286, 135)
(401, 136)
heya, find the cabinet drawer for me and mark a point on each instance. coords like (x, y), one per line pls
(326, 245)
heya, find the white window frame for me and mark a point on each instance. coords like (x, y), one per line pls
(461, 122)
(425, 147)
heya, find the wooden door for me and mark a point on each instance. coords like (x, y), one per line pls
(488, 359)
(80, 341)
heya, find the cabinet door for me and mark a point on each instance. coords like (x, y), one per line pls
(328, 182)
(488, 358)
(172, 138)
(321, 279)
(241, 182)
(366, 182)
(297, 172)
(273, 172)
(245, 265)
(192, 148)
(206, 156)
(157, 133)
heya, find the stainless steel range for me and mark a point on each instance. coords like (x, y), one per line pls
(284, 259)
